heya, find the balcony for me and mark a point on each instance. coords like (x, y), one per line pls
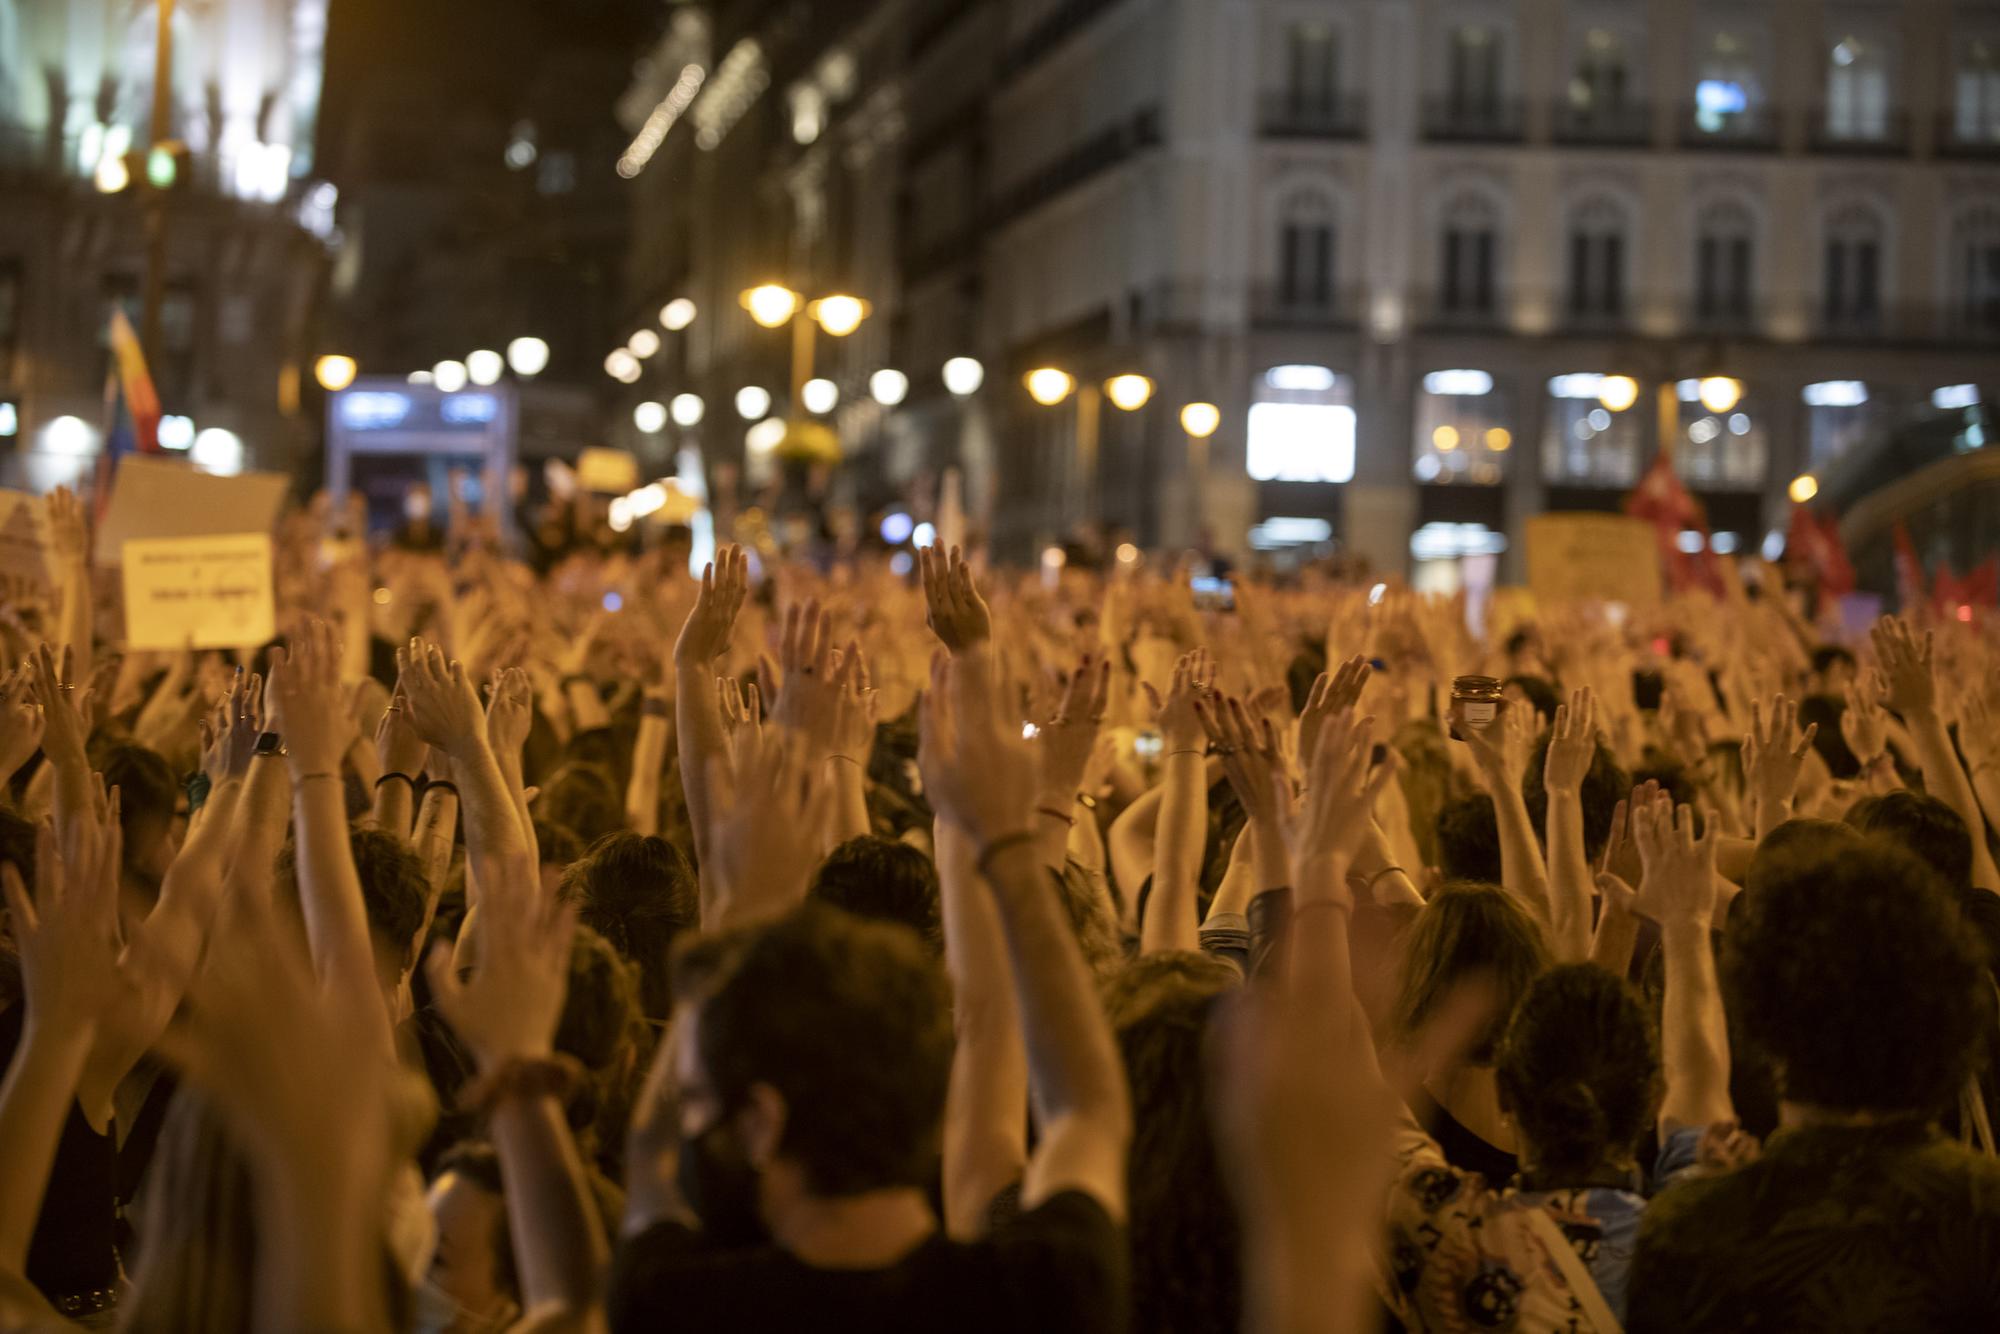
(1102, 151)
(1063, 21)
(1294, 115)
(1461, 120)
(1911, 323)
(1275, 306)
(1956, 140)
(1617, 125)
(1725, 317)
(1889, 139)
(1437, 315)
(1753, 130)
(1598, 320)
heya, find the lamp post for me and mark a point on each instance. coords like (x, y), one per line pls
(1199, 421)
(774, 306)
(1050, 386)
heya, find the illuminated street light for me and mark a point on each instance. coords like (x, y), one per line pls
(963, 376)
(1049, 386)
(1128, 392)
(622, 366)
(839, 315)
(1720, 393)
(688, 409)
(752, 403)
(677, 314)
(643, 343)
(1618, 392)
(449, 376)
(771, 305)
(334, 373)
(421, 377)
(175, 432)
(528, 356)
(1499, 439)
(649, 417)
(1445, 438)
(112, 174)
(1201, 420)
(820, 396)
(218, 451)
(1803, 488)
(889, 387)
(485, 366)
(68, 435)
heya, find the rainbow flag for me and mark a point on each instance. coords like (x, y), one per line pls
(131, 407)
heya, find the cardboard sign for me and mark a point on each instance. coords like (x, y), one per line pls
(24, 548)
(610, 471)
(1593, 557)
(153, 497)
(213, 592)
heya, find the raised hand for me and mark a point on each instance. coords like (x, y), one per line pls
(1909, 685)
(1176, 716)
(1324, 828)
(1331, 694)
(21, 722)
(509, 1009)
(1501, 750)
(67, 932)
(1678, 884)
(1773, 753)
(510, 710)
(955, 612)
(764, 832)
(64, 731)
(705, 635)
(1572, 743)
(69, 531)
(1863, 725)
(808, 701)
(398, 748)
(229, 734)
(978, 771)
(443, 705)
(1063, 743)
(304, 688)
(854, 721)
(1250, 756)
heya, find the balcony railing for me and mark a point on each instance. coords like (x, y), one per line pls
(1725, 318)
(1099, 153)
(1888, 139)
(1955, 140)
(1620, 124)
(1596, 319)
(1754, 130)
(1063, 21)
(1460, 120)
(1433, 312)
(1292, 115)
(1276, 306)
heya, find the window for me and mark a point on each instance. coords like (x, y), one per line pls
(1853, 281)
(1727, 91)
(1464, 428)
(1475, 73)
(1838, 416)
(1857, 91)
(1585, 442)
(1597, 260)
(1301, 426)
(1720, 451)
(1976, 270)
(1305, 252)
(1722, 264)
(1976, 93)
(1597, 88)
(1312, 69)
(1466, 278)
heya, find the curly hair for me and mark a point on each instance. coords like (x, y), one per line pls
(1579, 1071)
(884, 881)
(638, 892)
(1851, 970)
(1467, 834)
(1925, 827)
(1186, 1275)
(1468, 929)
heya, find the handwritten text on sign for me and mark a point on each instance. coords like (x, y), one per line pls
(212, 592)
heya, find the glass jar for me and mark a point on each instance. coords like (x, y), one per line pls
(1475, 702)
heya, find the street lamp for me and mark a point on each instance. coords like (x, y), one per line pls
(334, 373)
(677, 314)
(1128, 393)
(839, 315)
(643, 343)
(753, 404)
(649, 417)
(1201, 420)
(1803, 488)
(1720, 393)
(1049, 386)
(772, 305)
(819, 396)
(622, 366)
(528, 356)
(1618, 392)
(963, 376)
(687, 409)
(449, 376)
(889, 387)
(485, 366)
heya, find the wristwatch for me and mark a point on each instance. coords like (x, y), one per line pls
(269, 743)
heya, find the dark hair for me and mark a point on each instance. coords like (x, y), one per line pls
(1541, 692)
(1793, 837)
(147, 790)
(849, 1022)
(584, 798)
(1826, 710)
(1186, 1274)
(883, 881)
(1923, 826)
(1579, 1071)
(1604, 786)
(1093, 918)
(478, 1162)
(639, 893)
(1468, 839)
(1853, 972)
(1466, 930)
(555, 844)
(1828, 655)
(17, 845)
(394, 889)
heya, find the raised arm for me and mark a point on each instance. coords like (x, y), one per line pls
(854, 746)
(1499, 754)
(65, 734)
(704, 639)
(983, 781)
(1572, 746)
(1172, 916)
(1773, 753)
(1907, 671)
(445, 711)
(1679, 889)
(1062, 754)
(69, 544)
(399, 754)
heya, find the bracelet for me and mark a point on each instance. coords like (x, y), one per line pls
(836, 755)
(555, 1076)
(655, 708)
(317, 773)
(269, 743)
(441, 785)
(1376, 879)
(1055, 814)
(1172, 753)
(394, 774)
(1004, 843)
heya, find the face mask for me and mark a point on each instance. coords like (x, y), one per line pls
(438, 1312)
(719, 1184)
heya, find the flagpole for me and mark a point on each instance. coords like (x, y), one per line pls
(156, 198)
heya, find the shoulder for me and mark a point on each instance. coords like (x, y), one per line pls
(1070, 1222)
(1067, 1257)
(650, 1272)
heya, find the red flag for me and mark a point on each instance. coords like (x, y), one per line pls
(1909, 569)
(1661, 500)
(1812, 542)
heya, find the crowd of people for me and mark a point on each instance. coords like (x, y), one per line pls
(816, 946)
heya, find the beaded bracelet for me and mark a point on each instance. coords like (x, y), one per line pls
(555, 1075)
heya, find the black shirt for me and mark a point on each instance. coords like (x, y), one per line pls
(1462, 1148)
(1886, 1227)
(1060, 1268)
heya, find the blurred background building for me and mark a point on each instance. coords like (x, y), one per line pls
(1440, 264)
(245, 217)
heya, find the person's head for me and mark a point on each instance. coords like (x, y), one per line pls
(472, 1284)
(1824, 711)
(1468, 839)
(148, 798)
(1851, 971)
(1792, 838)
(1604, 786)
(1534, 692)
(1468, 933)
(1086, 900)
(1578, 1071)
(812, 1056)
(1923, 826)
(884, 881)
(638, 892)
(1833, 670)
(584, 798)
(1185, 1271)
(558, 847)
(394, 891)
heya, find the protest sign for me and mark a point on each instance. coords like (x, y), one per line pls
(609, 471)
(1593, 557)
(24, 546)
(153, 497)
(211, 591)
